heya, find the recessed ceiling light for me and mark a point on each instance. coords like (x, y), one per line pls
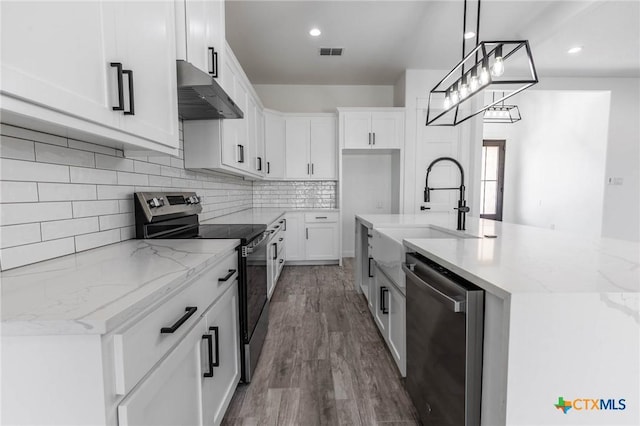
(469, 34)
(315, 32)
(574, 50)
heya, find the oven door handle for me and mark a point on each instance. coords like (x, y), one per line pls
(250, 249)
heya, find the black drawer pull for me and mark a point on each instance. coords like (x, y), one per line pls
(281, 260)
(259, 164)
(209, 340)
(275, 251)
(190, 311)
(370, 259)
(281, 239)
(285, 224)
(118, 67)
(131, 103)
(217, 362)
(383, 306)
(226, 277)
(321, 217)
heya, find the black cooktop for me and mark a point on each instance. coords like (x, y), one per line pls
(244, 232)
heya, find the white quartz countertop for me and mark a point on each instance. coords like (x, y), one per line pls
(524, 259)
(264, 216)
(93, 292)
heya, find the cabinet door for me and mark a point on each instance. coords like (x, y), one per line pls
(321, 241)
(274, 145)
(381, 288)
(260, 144)
(150, 55)
(297, 135)
(387, 129)
(171, 394)
(295, 236)
(204, 30)
(222, 326)
(323, 148)
(397, 328)
(357, 130)
(251, 119)
(57, 54)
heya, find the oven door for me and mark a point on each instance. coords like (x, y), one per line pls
(256, 281)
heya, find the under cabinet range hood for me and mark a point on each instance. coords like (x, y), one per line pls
(200, 97)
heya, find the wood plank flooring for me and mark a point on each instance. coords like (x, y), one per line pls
(323, 362)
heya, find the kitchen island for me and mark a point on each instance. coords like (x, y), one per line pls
(562, 317)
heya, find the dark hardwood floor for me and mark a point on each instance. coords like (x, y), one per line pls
(323, 362)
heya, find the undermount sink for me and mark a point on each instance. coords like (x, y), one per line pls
(388, 250)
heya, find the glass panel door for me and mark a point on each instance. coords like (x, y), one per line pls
(492, 179)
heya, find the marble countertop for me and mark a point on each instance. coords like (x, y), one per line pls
(264, 216)
(93, 292)
(524, 259)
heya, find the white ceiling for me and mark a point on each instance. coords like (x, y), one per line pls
(383, 38)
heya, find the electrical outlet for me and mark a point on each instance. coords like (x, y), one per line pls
(615, 181)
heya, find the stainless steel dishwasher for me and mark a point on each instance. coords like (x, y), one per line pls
(445, 315)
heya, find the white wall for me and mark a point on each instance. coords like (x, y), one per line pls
(555, 160)
(322, 98)
(367, 187)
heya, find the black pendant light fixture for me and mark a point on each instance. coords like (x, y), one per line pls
(504, 65)
(501, 113)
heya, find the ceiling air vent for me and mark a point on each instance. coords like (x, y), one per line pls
(331, 51)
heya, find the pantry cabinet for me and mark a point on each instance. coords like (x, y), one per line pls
(92, 69)
(372, 128)
(311, 147)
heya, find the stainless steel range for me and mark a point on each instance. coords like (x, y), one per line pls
(174, 215)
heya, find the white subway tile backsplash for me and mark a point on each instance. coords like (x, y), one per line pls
(86, 175)
(31, 135)
(125, 178)
(146, 168)
(46, 153)
(95, 208)
(48, 210)
(68, 228)
(97, 239)
(93, 147)
(31, 253)
(16, 213)
(18, 149)
(113, 163)
(29, 171)
(66, 192)
(115, 192)
(17, 235)
(116, 221)
(18, 192)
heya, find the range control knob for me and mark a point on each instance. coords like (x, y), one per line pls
(154, 202)
(193, 199)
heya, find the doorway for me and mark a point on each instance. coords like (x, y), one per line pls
(492, 179)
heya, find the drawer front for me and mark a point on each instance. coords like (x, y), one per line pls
(321, 217)
(141, 345)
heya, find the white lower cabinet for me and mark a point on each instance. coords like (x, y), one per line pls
(312, 236)
(295, 235)
(321, 241)
(389, 313)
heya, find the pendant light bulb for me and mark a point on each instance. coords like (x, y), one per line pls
(485, 77)
(473, 81)
(447, 101)
(464, 91)
(455, 97)
(497, 69)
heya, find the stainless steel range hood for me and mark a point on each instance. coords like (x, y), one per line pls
(200, 97)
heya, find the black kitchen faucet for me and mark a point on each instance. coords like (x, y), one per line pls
(462, 204)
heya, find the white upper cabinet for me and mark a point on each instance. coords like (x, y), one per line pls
(204, 35)
(372, 129)
(57, 69)
(274, 128)
(297, 138)
(310, 144)
(260, 142)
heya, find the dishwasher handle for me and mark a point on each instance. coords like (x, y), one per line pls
(451, 303)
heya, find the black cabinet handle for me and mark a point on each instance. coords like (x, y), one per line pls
(308, 169)
(118, 67)
(374, 138)
(311, 168)
(259, 164)
(307, 233)
(370, 275)
(241, 151)
(369, 138)
(209, 340)
(268, 167)
(275, 251)
(131, 102)
(321, 217)
(190, 311)
(217, 361)
(383, 306)
(281, 260)
(226, 277)
(280, 240)
(285, 224)
(214, 62)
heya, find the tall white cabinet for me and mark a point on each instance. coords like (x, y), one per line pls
(92, 70)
